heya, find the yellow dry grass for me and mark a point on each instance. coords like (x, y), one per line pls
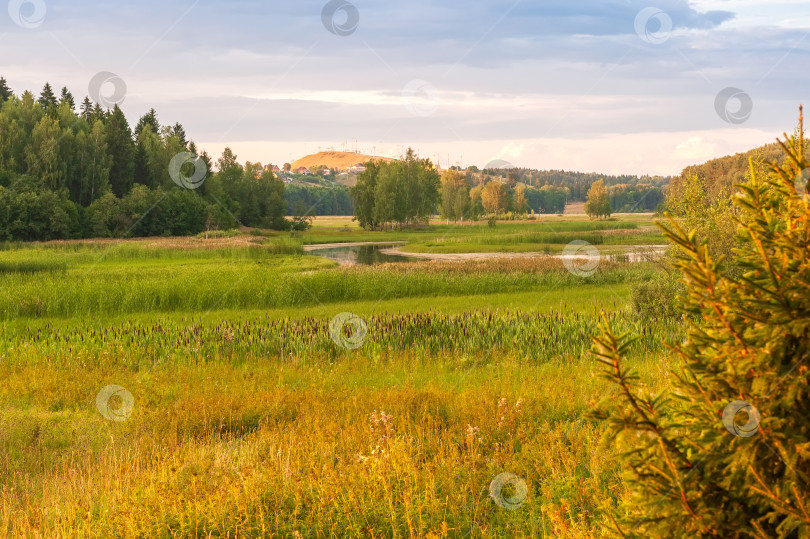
(335, 160)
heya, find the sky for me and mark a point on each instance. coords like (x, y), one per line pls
(612, 86)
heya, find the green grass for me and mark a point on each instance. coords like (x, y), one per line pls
(250, 421)
(122, 280)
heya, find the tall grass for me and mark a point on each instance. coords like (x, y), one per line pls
(262, 426)
(137, 280)
(531, 338)
(285, 448)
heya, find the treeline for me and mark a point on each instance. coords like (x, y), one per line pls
(635, 198)
(67, 173)
(722, 174)
(317, 200)
(627, 193)
(409, 191)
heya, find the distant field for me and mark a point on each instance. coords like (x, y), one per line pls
(248, 418)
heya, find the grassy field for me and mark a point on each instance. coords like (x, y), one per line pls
(250, 417)
(548, 233)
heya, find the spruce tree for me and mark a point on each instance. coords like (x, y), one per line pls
(726, 452)
(87, 109)
(122, 150)
(67, 97)
(150, 118)
(47, 99)
(180, 133)
(5, 91)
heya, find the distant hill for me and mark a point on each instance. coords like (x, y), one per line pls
(335, 160)
(728, 171)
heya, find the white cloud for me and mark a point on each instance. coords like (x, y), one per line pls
(553, 84)
(696, 149)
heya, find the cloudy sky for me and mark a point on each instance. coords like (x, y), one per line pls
(616, 86)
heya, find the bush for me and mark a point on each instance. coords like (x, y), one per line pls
(656, 298)
(726, 453)
(31, 214)
(212, 234)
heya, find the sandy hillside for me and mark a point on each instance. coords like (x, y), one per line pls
(334, 160)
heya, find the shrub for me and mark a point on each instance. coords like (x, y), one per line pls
(230, 233)
(656, 298)
(691, 467)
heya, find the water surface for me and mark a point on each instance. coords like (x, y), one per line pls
(366, 255)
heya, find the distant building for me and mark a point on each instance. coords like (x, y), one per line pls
(326, 172)
(358, 168)
(302, 170)
(276, 169)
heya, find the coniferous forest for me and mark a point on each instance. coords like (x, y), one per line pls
(72, 169)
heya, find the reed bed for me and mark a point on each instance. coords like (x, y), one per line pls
(252, 279)
(532, 338)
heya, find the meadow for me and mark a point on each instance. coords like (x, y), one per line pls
(248, 418)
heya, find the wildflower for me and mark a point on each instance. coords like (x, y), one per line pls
(381, 425)
(473, 434)
(227, 335)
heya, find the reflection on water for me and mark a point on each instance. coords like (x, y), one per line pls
(360, 254)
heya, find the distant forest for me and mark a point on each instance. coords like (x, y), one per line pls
(71, 170)
(722, 174)
(627, 193)
(68, 173)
